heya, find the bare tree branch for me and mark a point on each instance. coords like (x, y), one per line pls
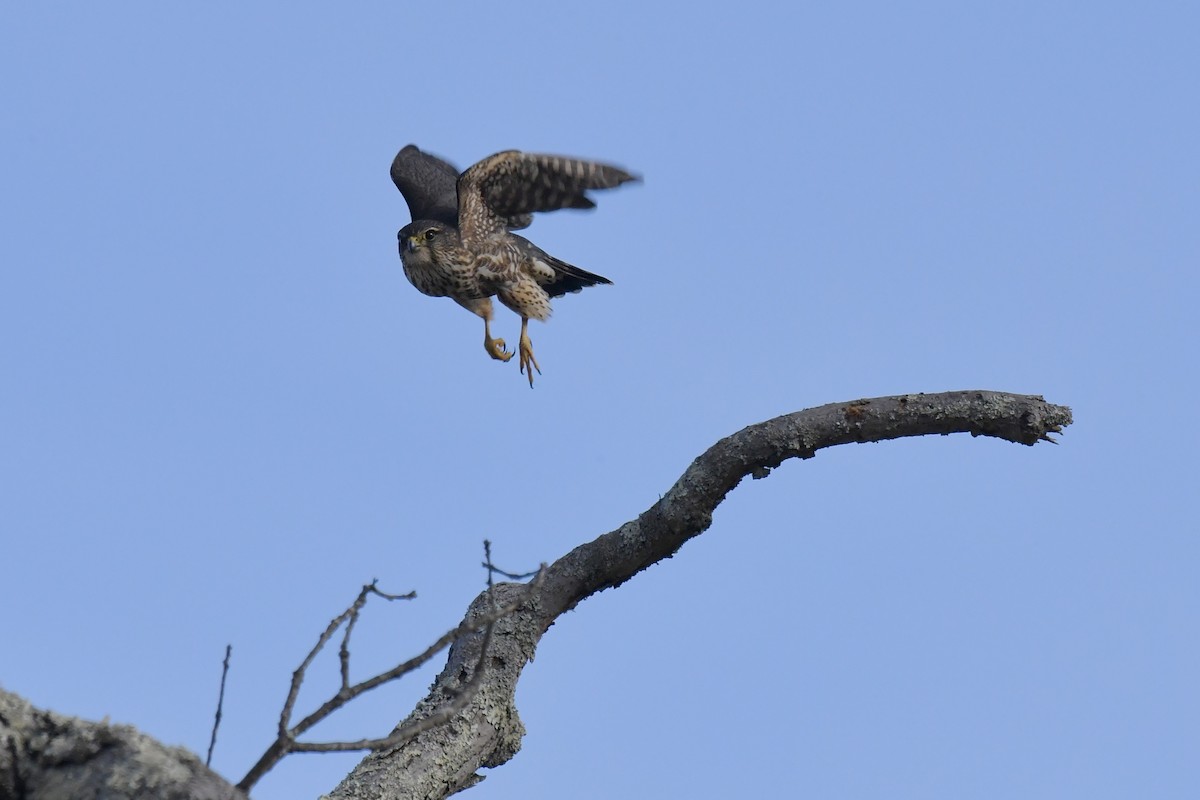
(285, 741)
(487, 732)
(468, 719)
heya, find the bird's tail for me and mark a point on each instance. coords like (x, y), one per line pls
(567, 277)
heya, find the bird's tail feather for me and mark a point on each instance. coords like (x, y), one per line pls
(567, 277)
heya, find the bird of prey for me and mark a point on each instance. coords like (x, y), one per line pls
(460, 243)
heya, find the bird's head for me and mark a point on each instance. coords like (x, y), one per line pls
(419, 239)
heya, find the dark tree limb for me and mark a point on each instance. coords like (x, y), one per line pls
(445, 759)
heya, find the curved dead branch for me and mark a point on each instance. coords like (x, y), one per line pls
(487, 732)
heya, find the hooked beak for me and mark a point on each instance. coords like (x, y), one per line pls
(406, 244)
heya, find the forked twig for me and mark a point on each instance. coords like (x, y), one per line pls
(288, 733)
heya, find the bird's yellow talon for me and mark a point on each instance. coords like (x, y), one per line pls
(496, 349)
(528, 362)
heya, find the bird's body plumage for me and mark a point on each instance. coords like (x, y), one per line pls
(468, 252)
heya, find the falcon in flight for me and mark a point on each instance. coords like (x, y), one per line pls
(460, 243)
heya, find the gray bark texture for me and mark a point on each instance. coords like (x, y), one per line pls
(486, 731)
(46, 756)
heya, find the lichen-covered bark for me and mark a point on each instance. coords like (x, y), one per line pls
(46, 756)
(487, 733)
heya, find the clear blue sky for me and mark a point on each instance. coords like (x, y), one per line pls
(224, 408)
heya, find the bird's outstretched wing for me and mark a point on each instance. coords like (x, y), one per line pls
(514, 184)
(428, 183)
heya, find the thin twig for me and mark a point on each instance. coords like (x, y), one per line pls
(344, 651)
(350, 615)
(494, 570)
(212, 742)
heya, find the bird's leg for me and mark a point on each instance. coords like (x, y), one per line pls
(494, 347)
(527, 359)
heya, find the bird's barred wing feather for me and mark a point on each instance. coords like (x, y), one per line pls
(511, 184)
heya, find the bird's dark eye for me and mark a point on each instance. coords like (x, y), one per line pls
(429, 234)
